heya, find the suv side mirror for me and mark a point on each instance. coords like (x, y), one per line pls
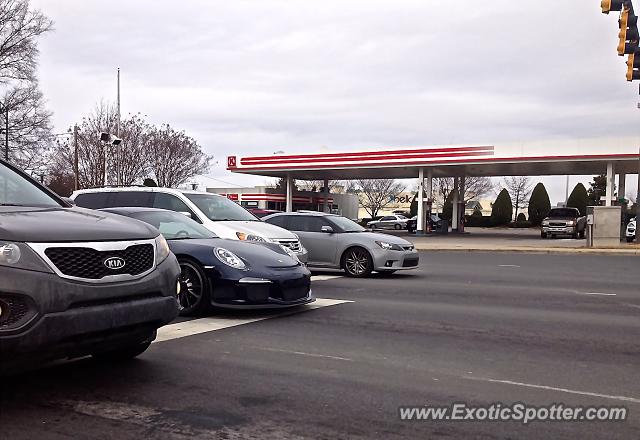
(69, 201)
(186, 213)
(326, 229)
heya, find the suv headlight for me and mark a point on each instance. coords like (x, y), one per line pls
(290, 253)
(229, 258)
(545, 222)
(21, 256)
(162, 249)
(389, 246)
(249, 237)
(571, 223)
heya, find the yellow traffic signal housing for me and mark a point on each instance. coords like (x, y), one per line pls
(633, 66)
(610, 5)
(628, 34)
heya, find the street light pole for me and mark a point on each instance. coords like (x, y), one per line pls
(118, 158)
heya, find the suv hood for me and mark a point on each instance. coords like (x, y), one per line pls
(559, 219)
(69, 224)
(260, 228)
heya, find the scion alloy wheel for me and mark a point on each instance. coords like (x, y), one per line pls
(357, 262)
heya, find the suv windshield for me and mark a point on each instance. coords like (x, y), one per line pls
(346, 225)
(563, 212)
(218, 208)
(15, 190)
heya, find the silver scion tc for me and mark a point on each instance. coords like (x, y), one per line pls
(337, 242)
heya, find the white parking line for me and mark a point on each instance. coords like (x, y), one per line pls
(302, 353)
(597, 293)
(325, 277)
(562, 390)
(508, 265)
(204, 325)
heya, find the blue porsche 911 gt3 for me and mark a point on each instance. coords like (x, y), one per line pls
(217, 272)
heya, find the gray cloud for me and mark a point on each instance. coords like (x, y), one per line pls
(256, 77)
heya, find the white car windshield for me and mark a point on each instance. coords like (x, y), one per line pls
(218, 208)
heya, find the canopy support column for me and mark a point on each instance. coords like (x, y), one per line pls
(289, 196)
(420, 219)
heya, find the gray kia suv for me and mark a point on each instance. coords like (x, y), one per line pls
(77, 282)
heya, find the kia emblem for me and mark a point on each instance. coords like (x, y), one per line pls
(114, 263)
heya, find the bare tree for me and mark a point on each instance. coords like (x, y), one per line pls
(132, 166)
(375, 194)
(474, 187)
(317, 185)
(519, 188)
(19, 29)
(28, 120)
(29, 126)
(175, 157)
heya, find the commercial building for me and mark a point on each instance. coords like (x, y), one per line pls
(264, 197)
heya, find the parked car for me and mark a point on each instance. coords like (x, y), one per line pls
(227, 273)
(631, 231)
(337, 242)
(435, 221)
(564, 221)
(262, 212)
(76, 282)
(220, 215)
(389, 222)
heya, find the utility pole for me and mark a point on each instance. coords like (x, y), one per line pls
(76, 172)
(118, 158)
(638, 201)
(6, 130)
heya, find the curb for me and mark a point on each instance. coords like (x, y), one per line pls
(583, 251)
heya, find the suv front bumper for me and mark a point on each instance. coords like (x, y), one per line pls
(68, 318)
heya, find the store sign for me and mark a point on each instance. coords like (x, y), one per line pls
(233, 197)
(231, 161)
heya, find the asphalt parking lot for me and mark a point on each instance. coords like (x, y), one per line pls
(465, 327)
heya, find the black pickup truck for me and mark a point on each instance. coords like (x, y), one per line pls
(77, 282)
(564, 221)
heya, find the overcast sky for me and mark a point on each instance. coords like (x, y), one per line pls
(246, 77)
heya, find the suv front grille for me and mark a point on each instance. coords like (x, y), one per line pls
(88, 263)
(294, 245)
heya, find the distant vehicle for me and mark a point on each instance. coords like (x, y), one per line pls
(564, 221)
(227, 273)
(435, 221)
(220, 215)
(389, 222)
(76, 282)
(337, 242)
(631, 231)
(262, 212)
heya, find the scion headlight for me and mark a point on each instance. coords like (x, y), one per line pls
(249, 237)
(229, 258)
(21, 256)
(162, 249)
(389, 246)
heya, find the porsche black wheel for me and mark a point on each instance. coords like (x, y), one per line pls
(194, 289)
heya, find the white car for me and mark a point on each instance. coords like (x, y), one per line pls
(389, 222)
(220, 215)
(631, 230)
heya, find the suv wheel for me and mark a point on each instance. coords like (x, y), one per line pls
(397, 226)
(357, 262)
(194, 289)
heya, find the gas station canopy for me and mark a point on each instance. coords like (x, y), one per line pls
(446, 161)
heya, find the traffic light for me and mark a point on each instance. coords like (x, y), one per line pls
(611, 5)
(628, 34)
(633, 66)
